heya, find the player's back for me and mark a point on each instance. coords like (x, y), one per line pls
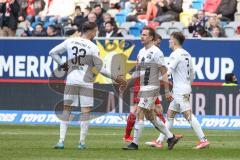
(80, 59)
(182, 73)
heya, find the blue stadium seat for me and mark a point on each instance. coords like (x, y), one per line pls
(229, 31)
(162, 31)
(140, 25)
(120, 18)
(135, 31)
(197, 4)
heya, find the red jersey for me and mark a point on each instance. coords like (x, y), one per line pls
(136, 89)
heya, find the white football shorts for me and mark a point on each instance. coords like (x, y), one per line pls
(180, 103)
(79, 95)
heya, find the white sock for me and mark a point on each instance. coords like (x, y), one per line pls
(169, 125)
(83, 131)
(64, 125)
(161, 127)
(197, 128)
(138, 127)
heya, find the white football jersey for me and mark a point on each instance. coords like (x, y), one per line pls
(148, 63)
(181, 68)
(82, 54)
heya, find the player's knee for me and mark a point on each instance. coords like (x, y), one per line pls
(187, 116)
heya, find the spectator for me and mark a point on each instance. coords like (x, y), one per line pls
(39, 31)
(169, 10)
(210, 7)
(201, 32)
(217, 32)
(87, 11)
(130, 6)
(29, 9)
(151, 12)
(226, 10)
(230, 80)
(57, 11)
(114, 8)
(97, 9)
(141, 8)
(92, 17)
(107, 18)
(198, 20)
(212, 22)
(110, 31)
(79, 18)
(8, 18)
(52, 31)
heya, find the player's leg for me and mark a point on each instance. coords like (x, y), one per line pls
(130, 123)
(169, 123)
(138, 127)
(203, 142)
(64, 120)
(185, 108)
(162, 128)
(70, 99)
(159, 111)
(84, 125)
(86, 103)
(172, 111)
(132, 116)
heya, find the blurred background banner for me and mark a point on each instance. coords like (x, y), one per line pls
(25, 67)
(22, 59)
(110, 119)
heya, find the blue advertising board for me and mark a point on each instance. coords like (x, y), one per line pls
(29, 59)
(113, 119)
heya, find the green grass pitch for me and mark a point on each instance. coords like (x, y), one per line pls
(24, 142)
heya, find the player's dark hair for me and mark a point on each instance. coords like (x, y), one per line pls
(112, 24)
(53, 27)
(151, 32)
(97, 5)
(179, 37)
(158, 36)
(78, 7)
(88, 26)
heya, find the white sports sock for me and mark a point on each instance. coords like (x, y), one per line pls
(197, 128)
(83, 131)
(139, 125)
(169, 125)
(160, 126)
(64, 125)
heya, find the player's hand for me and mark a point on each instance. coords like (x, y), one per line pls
(64, 67)
(121, 81)
(169, 97)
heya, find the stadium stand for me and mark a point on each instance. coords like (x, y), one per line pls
(125, 13)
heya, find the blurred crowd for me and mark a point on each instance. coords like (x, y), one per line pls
(119, 18)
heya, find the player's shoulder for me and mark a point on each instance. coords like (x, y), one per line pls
(142, 50)
(156, 50)
(177, 52)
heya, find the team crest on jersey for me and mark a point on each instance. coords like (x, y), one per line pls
(149, 56)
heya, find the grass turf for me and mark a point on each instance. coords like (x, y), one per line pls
(22, 142)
